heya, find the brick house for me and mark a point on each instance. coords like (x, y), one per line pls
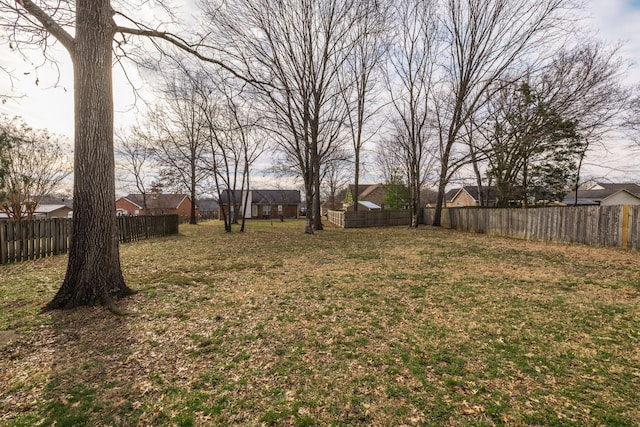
(157, 204)
(373, 193)
(265, 204)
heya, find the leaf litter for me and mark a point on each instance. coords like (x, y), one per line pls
(379, 327)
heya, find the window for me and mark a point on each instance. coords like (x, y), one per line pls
(266, 211)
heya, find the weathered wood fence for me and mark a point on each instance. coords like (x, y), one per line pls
(385, 217)
(26, 240)
(613, 226)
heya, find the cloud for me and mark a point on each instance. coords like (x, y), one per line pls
(617, 21)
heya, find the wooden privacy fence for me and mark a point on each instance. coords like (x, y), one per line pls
(381, 218)
(613, 226)
(132, 228)
(26, 240)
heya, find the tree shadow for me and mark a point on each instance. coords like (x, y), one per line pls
(76, 370)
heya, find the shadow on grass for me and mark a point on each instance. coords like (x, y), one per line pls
(83, 374)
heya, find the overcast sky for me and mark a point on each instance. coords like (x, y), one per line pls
(50, 103)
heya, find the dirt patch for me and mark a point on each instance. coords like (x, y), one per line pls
(7, 337)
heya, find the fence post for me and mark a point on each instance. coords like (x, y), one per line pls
(3, 242)
(625, 227)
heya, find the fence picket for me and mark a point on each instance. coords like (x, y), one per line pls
(28, 240)
(612, 226)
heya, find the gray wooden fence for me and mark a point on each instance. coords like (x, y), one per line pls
(381, 218)
(613, 226)
(33, 239)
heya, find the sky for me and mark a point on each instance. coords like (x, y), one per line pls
(49, 104)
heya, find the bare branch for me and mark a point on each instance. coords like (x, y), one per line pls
(182, 44)
(48, 23)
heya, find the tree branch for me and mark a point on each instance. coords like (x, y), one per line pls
(187, 47)
(49, 24)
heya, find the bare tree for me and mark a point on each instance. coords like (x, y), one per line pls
(632, 117)
(529, 144)
(364, 68)
(88, 29)
(296, 48)
(134, 149)
(180, 131)
(235, 142)
(336, 178)
(585, 84)
(412, 67)
(5, 144)
(545, 122)
(482, 40)
(34, 165)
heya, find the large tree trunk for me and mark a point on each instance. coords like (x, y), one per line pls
(93, 273)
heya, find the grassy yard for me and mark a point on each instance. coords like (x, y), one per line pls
(346, 327)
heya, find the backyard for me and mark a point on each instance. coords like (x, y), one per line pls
(385, 326)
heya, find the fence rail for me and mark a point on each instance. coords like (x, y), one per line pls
(33, 239)
(613, 226)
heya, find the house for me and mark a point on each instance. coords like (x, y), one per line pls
(604, 194)
(469, 195)
(46, 212)
(52, 211)
(50, 207)
(364, 205)
(209, 208)
(156, 204)
(265, 204)
(52, 200)
(373, 193)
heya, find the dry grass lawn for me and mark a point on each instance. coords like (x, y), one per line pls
(345, 327)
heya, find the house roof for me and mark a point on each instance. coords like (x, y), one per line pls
(597, 195)
(50, 200)
(369, 205)
(43, 209)
(370, 189)
(451, 194)
(266, 197)
(580, 202)
(207, 205)
(489, 193)
(157, 200)
(362, 188)
(615, 187)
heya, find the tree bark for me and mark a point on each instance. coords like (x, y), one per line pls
(94, 274)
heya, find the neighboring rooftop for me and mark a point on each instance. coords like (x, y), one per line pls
(157, 200)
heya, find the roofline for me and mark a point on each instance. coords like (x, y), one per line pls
(458, 192)
(133, 203)
(620, 191)
(182, 200)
